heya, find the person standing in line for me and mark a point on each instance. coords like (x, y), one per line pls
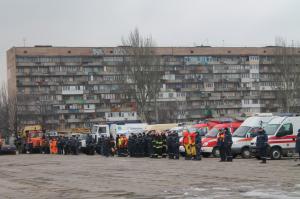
(186, 144)
(164, 144)
(228, 144)
(175, 146)
(198, 144)
(262, 145)
(221, 145)
(297, 148)
(170, 141)
(193, 145)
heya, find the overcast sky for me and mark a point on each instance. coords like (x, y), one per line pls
(170, 22)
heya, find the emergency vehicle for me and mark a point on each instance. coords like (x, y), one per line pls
(202, 128)
(282, 132)
(243, 136)
(209, 142)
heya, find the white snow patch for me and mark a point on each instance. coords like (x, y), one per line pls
(273, 194)
(221, 188)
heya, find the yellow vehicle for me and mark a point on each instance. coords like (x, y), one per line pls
(32, 137)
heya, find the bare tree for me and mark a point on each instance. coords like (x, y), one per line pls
(287, 78)
(8, 109)
(169, 113)
(142, 69)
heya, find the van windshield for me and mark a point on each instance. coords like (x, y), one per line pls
(271, 129)
(212, 133)
(94, 129)
(241, 131)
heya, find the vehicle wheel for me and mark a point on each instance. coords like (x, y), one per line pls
(206, 155)
(246, 153)
(216, 152)
(276, 153)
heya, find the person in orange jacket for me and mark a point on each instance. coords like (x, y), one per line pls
(53, 146)
(186, 144)
(193, 144)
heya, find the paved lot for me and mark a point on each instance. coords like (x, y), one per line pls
(54, 176)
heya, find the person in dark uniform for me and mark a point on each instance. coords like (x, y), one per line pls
(228, 144)
(130, 144)
(175, 146)
(164, 145)
(262, 145)
(73, 145)
(112, 146)
(170, 140)
(145, 140)
(155, 146)
(99, 145)
(63, 143)
(198, 143)
(221, 145)
(139, 146)
(106, 146)
(297, 148)
(59, 146)
(102, 143)
(150, 137)
(159, 146)
(67, 146)
(90, 145)
(117, 141)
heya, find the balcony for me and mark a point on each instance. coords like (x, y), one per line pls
(75, 101)
(73, 120)
(72, 92)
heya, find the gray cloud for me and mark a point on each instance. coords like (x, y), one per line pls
(171, 22)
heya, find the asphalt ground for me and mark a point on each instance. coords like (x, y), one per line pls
(55, 176)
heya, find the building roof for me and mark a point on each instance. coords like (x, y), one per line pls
(110, 51)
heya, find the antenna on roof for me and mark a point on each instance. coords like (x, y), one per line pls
(24, 41)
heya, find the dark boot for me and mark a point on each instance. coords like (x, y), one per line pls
(264, 161)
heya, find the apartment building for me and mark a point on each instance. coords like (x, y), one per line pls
(68, 87)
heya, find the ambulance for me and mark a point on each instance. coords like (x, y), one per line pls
(243, 136)
(209, 142)
(282, 132)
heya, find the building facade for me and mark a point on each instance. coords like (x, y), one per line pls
(68, 87)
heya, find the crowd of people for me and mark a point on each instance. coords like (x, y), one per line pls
(51, 145)
(151, 144)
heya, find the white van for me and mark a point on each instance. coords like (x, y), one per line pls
(282, 132)
(243, 136)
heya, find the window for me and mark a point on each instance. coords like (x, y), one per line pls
(286, 129)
